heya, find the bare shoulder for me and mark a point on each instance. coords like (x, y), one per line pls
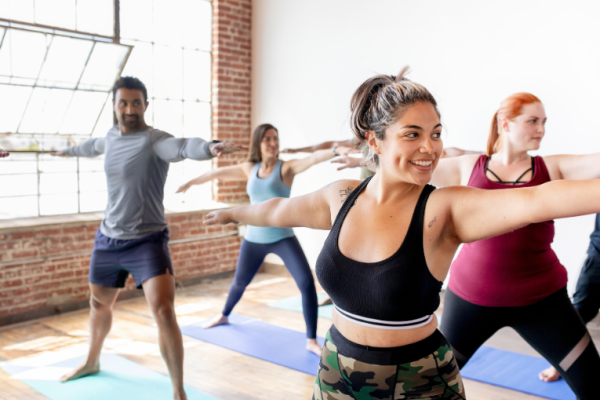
(338, 191)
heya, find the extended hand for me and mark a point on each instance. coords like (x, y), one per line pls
(4, 153)
(290, 151)
(344, 150)
(184, 188)
(220, 217)
(218, 149)
(58, 154)
(348, 162)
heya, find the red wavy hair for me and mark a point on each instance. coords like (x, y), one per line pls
(510, 108)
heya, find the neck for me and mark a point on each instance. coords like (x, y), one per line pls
(268, 162)
(125, 129)
(387, 189)
(508, 154)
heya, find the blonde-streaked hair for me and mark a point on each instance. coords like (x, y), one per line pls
(380, 101)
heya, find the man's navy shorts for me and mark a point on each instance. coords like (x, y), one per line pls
(144, 258)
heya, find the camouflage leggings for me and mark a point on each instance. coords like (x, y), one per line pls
(345, 377)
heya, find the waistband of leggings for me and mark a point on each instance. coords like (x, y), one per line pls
(387, 355)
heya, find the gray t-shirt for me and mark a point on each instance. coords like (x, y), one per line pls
(136, 166)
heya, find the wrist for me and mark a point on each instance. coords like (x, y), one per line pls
(335, 154)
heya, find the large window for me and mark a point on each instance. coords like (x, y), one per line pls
(58, 61)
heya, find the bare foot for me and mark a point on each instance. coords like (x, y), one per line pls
(549, 375)
(216, 321)
(325, 302)
(313, 346)
(81, 371)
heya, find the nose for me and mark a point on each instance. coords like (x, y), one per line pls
(427, 146)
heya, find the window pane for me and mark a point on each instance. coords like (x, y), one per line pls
(93, 201)
(50, 164)
(58, 183)
(95, 164)
(103, 66)
(22, 64)
(18, 10)
(18, 185)
(96, 16)
(197, 24)
(59, 13)
(92, 182)
(83, 111)
(48, 143)
(54, 204)
(167, 72)
(136, 19)
(18, 163)
(167, 26)
(105, 122)
(64, 62)
(168, 116)
(18, 207)
(12, 103)
(139, 64)
(196, 75)
(196, 120)
(45, 110)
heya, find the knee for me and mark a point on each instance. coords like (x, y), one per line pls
(99, 305)
(164, 314)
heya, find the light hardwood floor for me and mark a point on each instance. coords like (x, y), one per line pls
(219, 372)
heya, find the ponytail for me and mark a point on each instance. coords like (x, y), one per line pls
(493, 137)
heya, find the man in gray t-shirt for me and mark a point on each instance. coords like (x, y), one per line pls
(133, 235)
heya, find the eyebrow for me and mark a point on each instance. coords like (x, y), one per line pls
(418, 127)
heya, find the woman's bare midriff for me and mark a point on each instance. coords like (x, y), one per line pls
(374, 337)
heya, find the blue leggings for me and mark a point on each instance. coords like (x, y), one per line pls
(251, 258)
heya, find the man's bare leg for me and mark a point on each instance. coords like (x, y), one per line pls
(102, 300)
(160, 294)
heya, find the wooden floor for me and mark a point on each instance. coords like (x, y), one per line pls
(221, 373)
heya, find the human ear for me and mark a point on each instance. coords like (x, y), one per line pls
(373, 142)
(504, 124)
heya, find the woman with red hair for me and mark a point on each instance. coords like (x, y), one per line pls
(515, 280)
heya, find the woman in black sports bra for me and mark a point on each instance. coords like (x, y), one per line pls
(392, 240)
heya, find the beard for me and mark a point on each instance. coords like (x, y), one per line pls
(131, 123)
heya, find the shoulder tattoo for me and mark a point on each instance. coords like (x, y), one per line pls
(344, 193)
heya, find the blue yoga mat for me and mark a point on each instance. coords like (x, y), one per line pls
(261, 340)
(119, 378)
(514, 371)
(295, 304)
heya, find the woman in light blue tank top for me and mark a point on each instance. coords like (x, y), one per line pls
(270, 177)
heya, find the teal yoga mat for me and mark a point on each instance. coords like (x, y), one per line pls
(295, 304)
(119, 379)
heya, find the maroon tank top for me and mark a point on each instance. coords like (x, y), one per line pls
(511, 270)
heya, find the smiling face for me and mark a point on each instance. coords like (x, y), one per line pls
(269, 145)
(129, 106)
(526, 131)
(412, 145)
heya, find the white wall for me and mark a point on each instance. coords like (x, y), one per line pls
(310, 55)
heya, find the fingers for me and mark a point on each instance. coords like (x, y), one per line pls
(210, 219)
(337, 160)
(342, 167)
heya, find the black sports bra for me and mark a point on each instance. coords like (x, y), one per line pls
(396, 293)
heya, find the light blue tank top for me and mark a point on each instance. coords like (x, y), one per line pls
(259, 190)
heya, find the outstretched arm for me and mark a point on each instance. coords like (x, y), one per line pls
(172, 149)
(320, 146)
(479, 214)
(302, 164)
(311, 211)
(239, 172)
(89, 148)
(568, 166)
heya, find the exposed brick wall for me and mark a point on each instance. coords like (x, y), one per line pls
(47, 266)
(231, 87)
